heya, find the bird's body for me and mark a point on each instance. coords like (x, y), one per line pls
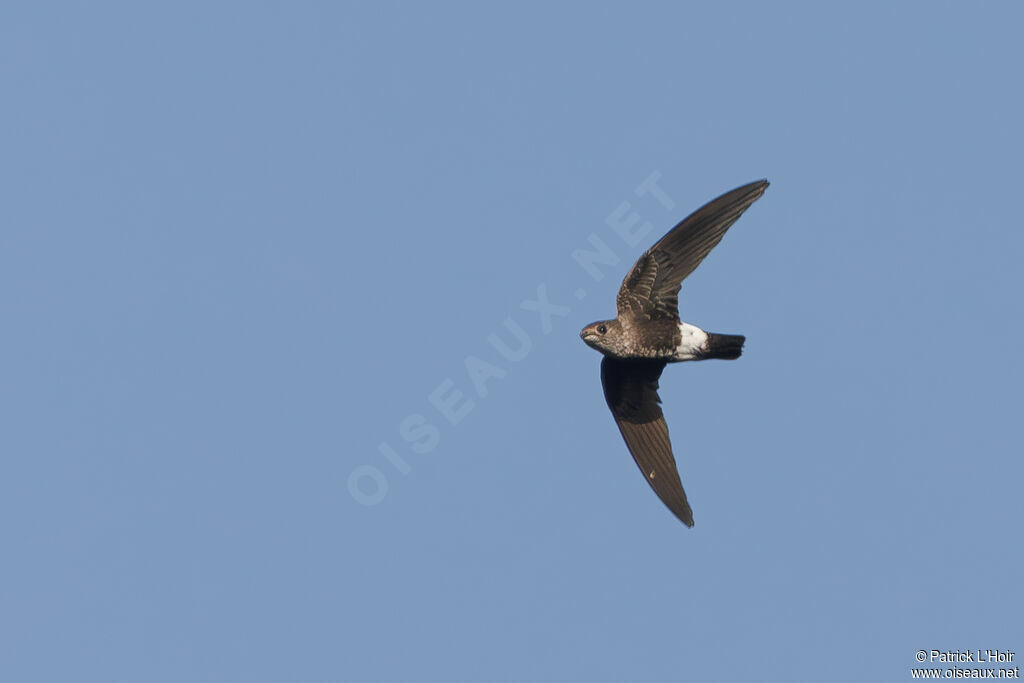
(647, 334)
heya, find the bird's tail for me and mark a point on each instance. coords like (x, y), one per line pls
(726, 346)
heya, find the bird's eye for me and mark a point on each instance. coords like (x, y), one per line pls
(602, 329)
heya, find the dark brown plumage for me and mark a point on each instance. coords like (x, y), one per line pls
(651, 290)
(631, 390)
(647, 334)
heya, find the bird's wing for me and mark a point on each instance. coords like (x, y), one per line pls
(631, 390)
(651, 289)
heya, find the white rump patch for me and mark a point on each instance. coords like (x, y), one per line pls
(692, 340)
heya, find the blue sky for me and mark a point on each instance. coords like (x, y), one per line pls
(243, 245)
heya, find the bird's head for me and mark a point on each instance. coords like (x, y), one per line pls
(604, 335)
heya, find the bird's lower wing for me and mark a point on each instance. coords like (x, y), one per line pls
(631, 390)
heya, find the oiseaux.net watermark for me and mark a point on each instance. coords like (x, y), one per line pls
(981, 664)
(451, 402)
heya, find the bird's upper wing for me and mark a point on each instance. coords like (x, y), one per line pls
(631, 390)
(651, 289)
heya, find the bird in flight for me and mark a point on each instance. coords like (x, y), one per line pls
(647, 334)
